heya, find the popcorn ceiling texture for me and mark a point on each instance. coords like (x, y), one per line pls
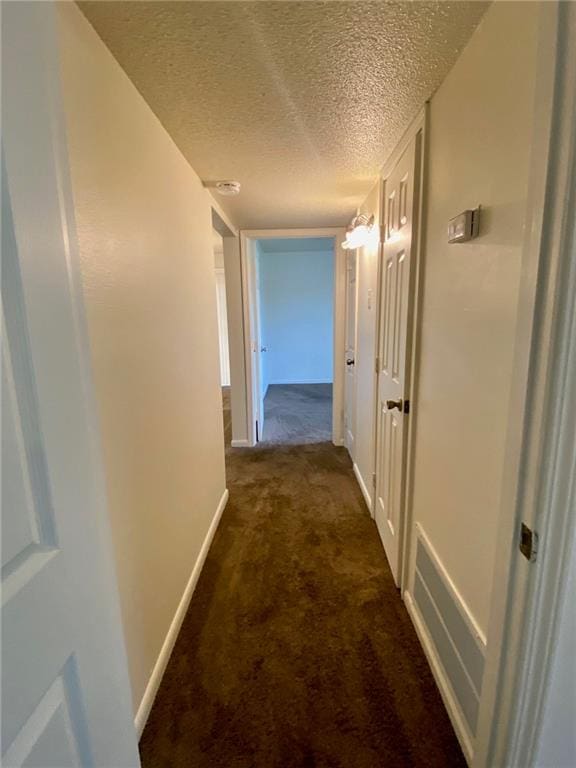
(300, 101)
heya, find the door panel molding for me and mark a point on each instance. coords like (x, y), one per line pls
(398, 360)
(65, 687)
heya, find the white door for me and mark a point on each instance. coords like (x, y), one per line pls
(350, 353)
(222, 327)
(255, 338)
(65, 690)
(395, 314)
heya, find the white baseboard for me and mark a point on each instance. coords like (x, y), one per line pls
(363, 488)
(172, 634)
(450, 702)
(301, 381)
(241, 444)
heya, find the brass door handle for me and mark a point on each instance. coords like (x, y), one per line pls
(390, 404)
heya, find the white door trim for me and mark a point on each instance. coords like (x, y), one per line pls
(419, 125)
(539, 478)
(338, 233)
(352, 416)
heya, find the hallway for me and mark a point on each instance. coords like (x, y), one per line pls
(288, 307)
(296, 649)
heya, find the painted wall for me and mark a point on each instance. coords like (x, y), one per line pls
(479, 147)
(557, 740)
(222, 326)
(297, 312)
(238, 394)
(220, 276)
(145, 238)
(366, 330)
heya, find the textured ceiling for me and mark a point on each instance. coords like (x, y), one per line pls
(299, 101)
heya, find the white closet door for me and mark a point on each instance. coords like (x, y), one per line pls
(65, 690)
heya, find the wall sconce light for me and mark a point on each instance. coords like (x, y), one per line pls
(358, 231)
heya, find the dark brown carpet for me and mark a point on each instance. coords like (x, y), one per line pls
(227, 416)
(297, 650)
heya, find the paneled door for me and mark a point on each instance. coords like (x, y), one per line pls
(350, 353)
(393, 366)
(65, 689)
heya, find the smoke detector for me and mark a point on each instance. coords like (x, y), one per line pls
(228, 187)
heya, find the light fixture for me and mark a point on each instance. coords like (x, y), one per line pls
(358, 231)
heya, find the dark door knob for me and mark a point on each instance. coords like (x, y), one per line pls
(350, 362)
(394, 404)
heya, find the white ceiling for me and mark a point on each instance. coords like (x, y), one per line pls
(299, 101)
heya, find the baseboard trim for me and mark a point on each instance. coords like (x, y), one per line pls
(240, 444)
(301, 381)
(170, 639)
(363, 488)
(450, 702)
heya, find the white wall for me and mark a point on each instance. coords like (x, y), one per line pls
(479, 148)
(222, 326)
(296, 290)
(365, 357)
(218, 247)
(238, 393)
(145, 238)
(557, 741)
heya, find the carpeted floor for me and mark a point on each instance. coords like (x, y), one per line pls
(297, 650)
(227, 416)
(298, 413)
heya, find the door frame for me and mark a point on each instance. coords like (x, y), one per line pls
(345, 414)
(247, 239)
(527, 596)
(420, 125)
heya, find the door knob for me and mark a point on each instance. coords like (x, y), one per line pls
(390, 404)
(350, 362)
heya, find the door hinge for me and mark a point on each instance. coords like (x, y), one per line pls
(374, 479)
(528, 542)
(377, 365)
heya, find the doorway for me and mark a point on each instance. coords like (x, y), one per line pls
(350, 353)
(396, 348)
(223, 342)
(293, 284)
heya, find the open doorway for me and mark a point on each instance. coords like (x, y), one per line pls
(294, 313)
(295, 304)
(224, 346)
(225, 249)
